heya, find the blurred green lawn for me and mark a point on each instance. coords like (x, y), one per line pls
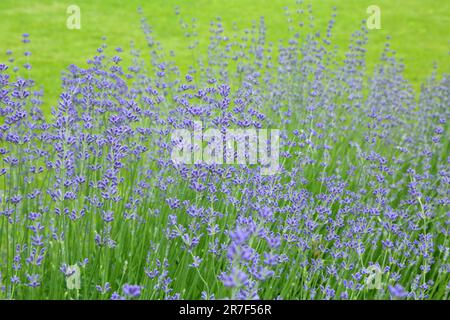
(419, 29)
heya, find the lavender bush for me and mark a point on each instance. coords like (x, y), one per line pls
(92, 207)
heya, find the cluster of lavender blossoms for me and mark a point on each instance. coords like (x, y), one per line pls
(93, 207)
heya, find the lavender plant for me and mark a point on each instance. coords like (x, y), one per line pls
(93, 207)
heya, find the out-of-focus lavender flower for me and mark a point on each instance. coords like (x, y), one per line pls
(196, 262)
(116, 296)
(132, 291)
(397, 292)
(104, 289)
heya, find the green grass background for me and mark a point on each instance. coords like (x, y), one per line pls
(419, 29)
